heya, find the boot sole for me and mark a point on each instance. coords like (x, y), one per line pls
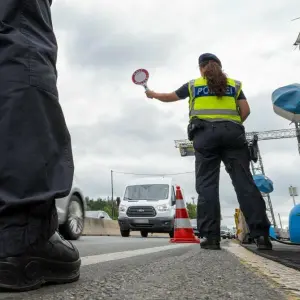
(20, 275)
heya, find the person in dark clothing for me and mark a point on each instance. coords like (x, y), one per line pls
(217, 110)
(36, 162)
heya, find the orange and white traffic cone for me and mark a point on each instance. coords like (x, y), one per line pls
(183, 231)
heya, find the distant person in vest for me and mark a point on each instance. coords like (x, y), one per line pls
(217, 110)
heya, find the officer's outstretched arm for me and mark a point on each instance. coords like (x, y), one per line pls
(164, 97)
(244, 109)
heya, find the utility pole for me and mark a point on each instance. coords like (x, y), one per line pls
(112, 193)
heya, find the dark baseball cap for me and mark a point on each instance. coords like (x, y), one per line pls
(209, 56)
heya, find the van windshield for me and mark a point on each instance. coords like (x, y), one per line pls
(147, 192)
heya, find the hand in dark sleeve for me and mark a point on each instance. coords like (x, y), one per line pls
(241, 96)
(243, 106)
(183, 91)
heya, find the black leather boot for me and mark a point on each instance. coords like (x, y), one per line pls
(56, 261)
(263, 243)
(210, 243)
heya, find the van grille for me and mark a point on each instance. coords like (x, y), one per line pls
(141, 211)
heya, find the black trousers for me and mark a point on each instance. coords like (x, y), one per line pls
(225, 141)
(36, 163)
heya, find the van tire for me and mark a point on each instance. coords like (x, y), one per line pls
(125, 233)
(144, 233)
(171, 234)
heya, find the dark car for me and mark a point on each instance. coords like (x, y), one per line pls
(233, 235)
(194, 226)
(225, 234)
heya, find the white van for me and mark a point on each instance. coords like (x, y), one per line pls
(148, 205)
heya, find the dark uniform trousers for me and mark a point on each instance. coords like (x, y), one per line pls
(36, 163)
(225, 141)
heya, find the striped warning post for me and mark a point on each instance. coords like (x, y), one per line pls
(183, 231)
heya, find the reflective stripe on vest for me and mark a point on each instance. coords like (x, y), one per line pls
(204, 105)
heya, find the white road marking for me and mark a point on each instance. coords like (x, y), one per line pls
(95, 259)
(286, 277)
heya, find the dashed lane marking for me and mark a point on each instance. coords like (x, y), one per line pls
(95, 259)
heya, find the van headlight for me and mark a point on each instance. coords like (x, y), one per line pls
(163, 207)
(122, 208)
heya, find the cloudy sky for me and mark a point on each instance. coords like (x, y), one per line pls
(115, 127)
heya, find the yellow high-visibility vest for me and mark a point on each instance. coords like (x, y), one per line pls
(205, 105)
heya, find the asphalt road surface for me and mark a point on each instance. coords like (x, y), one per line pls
(151, 268)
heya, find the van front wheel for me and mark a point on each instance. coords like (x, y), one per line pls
(144, 234)
(171, 234)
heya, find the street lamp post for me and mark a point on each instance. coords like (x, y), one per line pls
(112, 193)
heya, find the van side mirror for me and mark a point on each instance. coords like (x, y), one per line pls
(173, 201)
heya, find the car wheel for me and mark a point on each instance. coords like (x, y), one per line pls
(171, 234)
(144, 234)
(125, 233)
(72, 229)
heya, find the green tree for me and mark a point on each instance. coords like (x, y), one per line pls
(109, 206)
(192, 210)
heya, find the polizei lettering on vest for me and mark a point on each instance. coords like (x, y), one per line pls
(203, 91)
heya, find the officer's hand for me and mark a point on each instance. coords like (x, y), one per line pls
(150, 94)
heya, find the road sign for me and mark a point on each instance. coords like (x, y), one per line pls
(293, 191)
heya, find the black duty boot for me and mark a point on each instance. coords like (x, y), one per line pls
(56, 261)
(263, 243)
(210, 243)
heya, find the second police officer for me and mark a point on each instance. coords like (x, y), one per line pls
(217, 110)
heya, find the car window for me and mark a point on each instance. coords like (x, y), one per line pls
(152, 192)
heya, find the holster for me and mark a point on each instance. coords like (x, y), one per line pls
(193, 126)
(190, 131)
(253, 149)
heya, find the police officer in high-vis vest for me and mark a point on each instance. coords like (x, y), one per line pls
(217, 110)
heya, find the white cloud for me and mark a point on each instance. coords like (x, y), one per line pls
(114, 126)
